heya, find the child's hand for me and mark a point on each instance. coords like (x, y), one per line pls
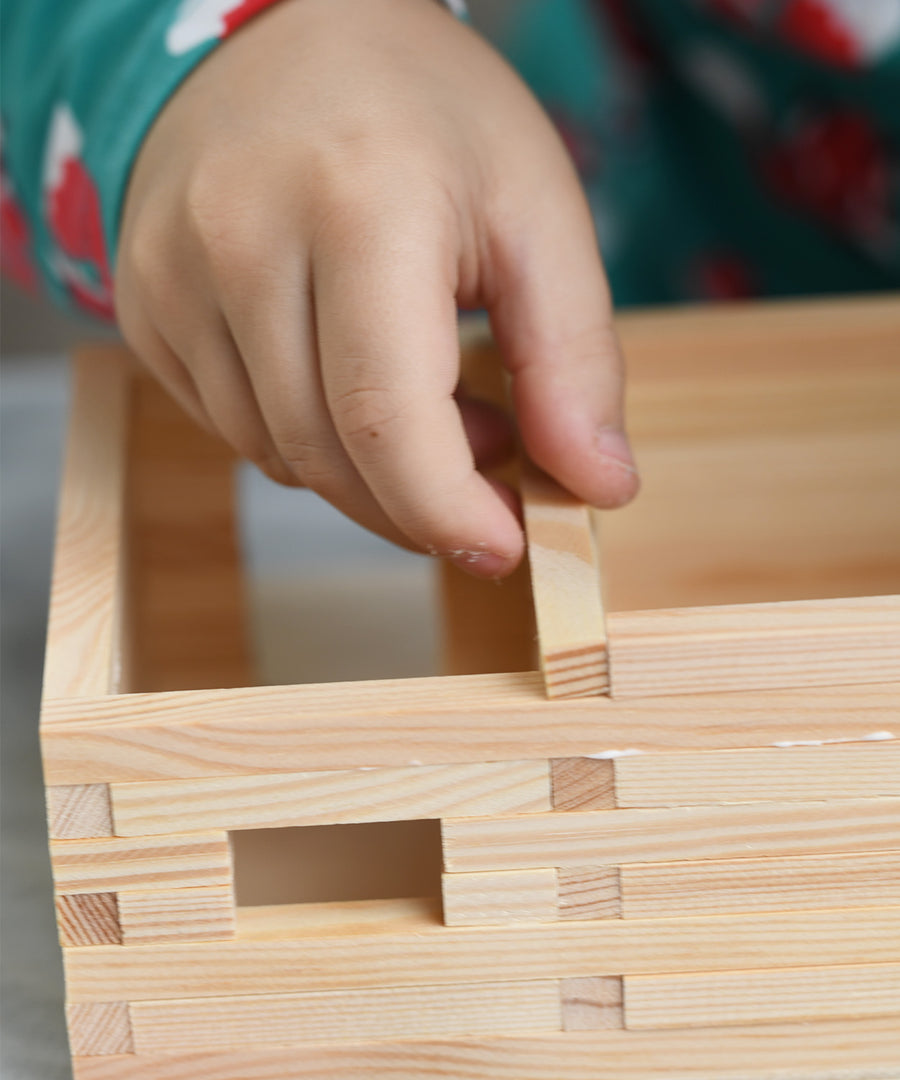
(301, 221)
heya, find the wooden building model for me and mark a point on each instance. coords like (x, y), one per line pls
(672, 852)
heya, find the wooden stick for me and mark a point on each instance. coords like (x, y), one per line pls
(87, 866)
(565, 582)
(826, 1050)
(78, 811)
(99, 1028)
(355, 795)
(661, 835)
(188, 613)
(801, 883)
(589, 892)
(755, 646)
(88, 919)
(592, 1004)
(391, 1013)
(202, 913)
(497, 899)
(433, 721)
(861, 770)
(83, 636)
(746, 997)
(582, 784)
(364, 945)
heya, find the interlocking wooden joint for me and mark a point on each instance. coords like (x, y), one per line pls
(665, 843)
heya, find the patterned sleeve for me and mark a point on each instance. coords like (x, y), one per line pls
(82, 81)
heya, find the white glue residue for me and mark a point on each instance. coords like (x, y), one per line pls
(604, 755)
(875, 736)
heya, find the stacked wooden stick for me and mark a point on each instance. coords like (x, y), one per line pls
(674, 852)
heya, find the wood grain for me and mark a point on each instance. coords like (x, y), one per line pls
(83, 866)
(497, 899)
(88, 919)
(741, 997)
(78, 811)
(582, 784)
(486, 626)
(565, 582)
(674, 833)
(804, 883)
(365, 945)
(435, 721)
(762, 774)
(99, 1028)
(326, 798)
(766, 459)
(83, 634)
(188, 614)
(201, 913)
(592, 1003)
(589, 892)
(755, 646)
(390, 1013)
(826, 1050)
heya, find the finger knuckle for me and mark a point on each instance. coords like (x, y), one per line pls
(365, 413)
(224, 217)
(308, 462)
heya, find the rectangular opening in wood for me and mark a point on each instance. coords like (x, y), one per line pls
(379, 860)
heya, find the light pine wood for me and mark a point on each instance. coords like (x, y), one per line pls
(88, 919)
(742, 997)
(673, 833)
(486, 626)
(565, 582)
(435, 721)
(99, 1028)
(592, 1003)
(654, 890)
(827, 1050)
(764, 774)
(582, 784)
(756, 519)
(284, 950)
(766, 460)
(755, 646)
(78, 811)
(84, 634)
(390, 1013)
(355, 795)
(496, 899)
(765, 456)
(188, 613)
(589, 892)
(178, 861)
(202, 913)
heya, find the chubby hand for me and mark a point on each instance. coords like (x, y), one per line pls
(302, 221)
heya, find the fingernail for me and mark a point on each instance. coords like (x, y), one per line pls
(613, 449)
(480, 563)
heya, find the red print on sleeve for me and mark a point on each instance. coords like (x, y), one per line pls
(73, 215)
(15, 240)
(197, 22)
(818, 30)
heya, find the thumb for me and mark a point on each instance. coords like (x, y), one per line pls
(552, 317)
